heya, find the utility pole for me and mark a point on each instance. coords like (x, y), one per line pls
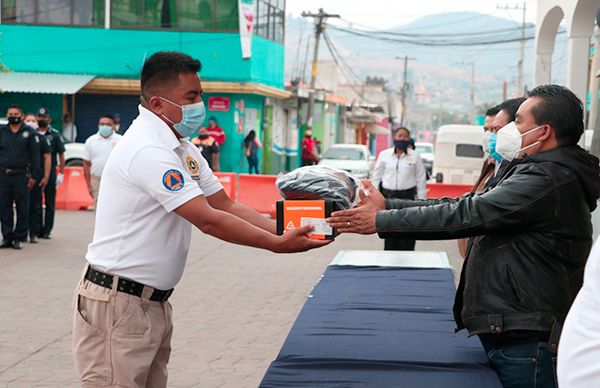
(472, 94)
(319, 19)
(521, 64)
(404, 87)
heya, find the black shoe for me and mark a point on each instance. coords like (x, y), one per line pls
(46, 236)
(6, 244)
(33, 240)
(17, 244)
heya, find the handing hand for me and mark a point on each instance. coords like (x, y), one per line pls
(59, 179)
(362, 218)
(297, 240)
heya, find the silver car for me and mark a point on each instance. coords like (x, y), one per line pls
(354, 158)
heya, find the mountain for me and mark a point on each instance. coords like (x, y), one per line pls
(442, 70)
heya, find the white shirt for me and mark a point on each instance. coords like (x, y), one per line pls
(579, 347)
(97, 149)
(400, 172)
(151, 173)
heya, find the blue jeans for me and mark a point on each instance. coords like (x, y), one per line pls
(523, 365)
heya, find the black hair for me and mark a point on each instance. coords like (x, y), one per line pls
(560, 108)
(251, 136)
(163, 69)
(15, 106)
(511, 106)
(493, 111)
(212, 118)
(395, 131)
(107, 116)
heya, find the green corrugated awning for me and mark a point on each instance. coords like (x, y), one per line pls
(51, 83)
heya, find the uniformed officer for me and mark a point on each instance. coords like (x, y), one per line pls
(35, 194)
(155, 185)
(57, 146)
(19, 163)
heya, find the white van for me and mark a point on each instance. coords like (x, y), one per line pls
(459, 154)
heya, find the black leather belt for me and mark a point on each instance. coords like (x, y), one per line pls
(127, 286)
(13, 171)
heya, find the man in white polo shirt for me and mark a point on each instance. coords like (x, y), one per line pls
(97, 149)
(154, 186)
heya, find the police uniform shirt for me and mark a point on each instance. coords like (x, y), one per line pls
(400, 172)
(97, 150)
(151, 172)
(20, 150)
(57, 145)
(44, 149)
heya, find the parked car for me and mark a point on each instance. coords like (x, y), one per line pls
(427, 154)
(354, 158)
(458, 154)
(74, 153)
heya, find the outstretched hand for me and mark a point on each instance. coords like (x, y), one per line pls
(362, 218)
(298, 240)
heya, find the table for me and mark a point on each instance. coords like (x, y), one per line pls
(372, 325)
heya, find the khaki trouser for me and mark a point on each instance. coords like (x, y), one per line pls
(120, 340)
(95, 187)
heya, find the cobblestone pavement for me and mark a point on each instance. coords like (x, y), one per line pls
(232, 309)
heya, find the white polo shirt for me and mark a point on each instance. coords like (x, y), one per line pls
(151, 173)
(97, 149)
(400, 172)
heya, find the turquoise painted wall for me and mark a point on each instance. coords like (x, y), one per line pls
(232, 157)
(32, 102)
(120, 53)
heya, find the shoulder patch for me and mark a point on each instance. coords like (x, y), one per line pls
(173, 180)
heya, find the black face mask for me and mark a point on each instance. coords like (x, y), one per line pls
(43, 123)
(14, 120)
(203, 137)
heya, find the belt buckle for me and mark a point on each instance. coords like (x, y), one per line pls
(10, 172)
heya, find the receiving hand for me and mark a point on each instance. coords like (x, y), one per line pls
(362, 218)
(297, 240)
(371, 196)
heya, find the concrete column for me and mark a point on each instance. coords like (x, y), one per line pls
(577, 66)
(543, 68)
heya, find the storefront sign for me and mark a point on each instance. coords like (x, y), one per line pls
(220, 104)
(246, 15)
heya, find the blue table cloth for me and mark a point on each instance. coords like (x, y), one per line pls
(380, 327)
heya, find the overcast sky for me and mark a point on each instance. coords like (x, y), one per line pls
(390, 13)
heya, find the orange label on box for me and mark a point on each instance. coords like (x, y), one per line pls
(299, 213)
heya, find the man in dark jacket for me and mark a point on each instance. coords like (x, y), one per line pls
(530, 236)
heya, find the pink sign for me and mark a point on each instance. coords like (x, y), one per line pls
(220, 104)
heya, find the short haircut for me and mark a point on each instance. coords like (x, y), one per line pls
(15, 106)
(511, 106)
(493, 111)
(560, 108)
(395, 131)
(162, 69)
(108, 117)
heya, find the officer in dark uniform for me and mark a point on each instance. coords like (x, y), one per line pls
(19, 161)
(53, 137)
(36, 193)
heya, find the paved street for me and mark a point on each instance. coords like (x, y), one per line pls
(232, 309)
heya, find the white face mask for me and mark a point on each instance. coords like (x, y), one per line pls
(509, 141)
(486, 142)
(32, 124)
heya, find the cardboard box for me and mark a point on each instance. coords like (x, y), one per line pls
(292, 214)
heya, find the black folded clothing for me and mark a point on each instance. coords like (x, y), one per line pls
(320, 182)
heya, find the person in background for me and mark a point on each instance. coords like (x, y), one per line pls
(35, 194)
(52, 136)
(251, 146)
(19, 164)
(399, 173)
(117, 120)
(69, 129)
(215, 131)
(309, 149)
(209, 148)
(97, 149)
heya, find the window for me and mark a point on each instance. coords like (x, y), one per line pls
(193, 15)
(469, 150)
(270, 19)
(54, 12)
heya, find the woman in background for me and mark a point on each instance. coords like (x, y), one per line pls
(251, 146)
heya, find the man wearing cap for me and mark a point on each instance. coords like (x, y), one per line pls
(53, 137)
(155, 186)
(19, 162)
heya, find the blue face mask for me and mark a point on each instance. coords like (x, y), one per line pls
(105, 130)
(401, 144)
(192, 118)
(496, 156)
